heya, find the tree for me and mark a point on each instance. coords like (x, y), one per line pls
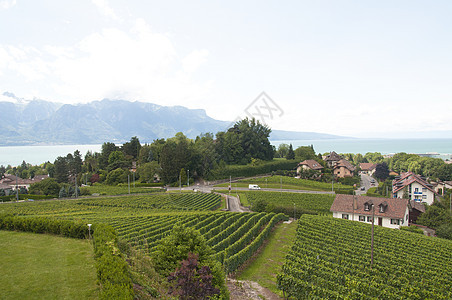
(282, 150)
(434, 217)
(305, 152)
(48, 186)
(290, 153)
(116, 176)
(175, 248)
(245, 140)
(192, 281)
(61, 170)
(107, 149)
(147, 171)
(132, 148)
(381, 171)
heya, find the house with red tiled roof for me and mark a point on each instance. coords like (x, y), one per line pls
(416, 187)
(309, 164)
(13, 181)
(332, 159)
(386, 212)
(367, 168)
(343, 168)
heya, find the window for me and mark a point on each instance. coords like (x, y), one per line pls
(345, 216)
(367, 206)
(424, 190)
(416, 190)
(424, 196)
(362, 218)
(395, 221)
(369, 219)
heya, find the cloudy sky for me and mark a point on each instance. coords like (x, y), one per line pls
(354, 68)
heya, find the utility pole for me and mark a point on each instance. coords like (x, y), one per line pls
(133, 179)
(17, 189)
(76, 193)
(372, 237)
(180, 184)
(188, 177)
(128, 182)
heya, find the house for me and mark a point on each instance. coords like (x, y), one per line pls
(367, 168)
(309, 164)
(415, 186)
(416, 209)
(343, 168)
(12, 181)
(388, 212)
(393, 173)
(441, 186)
(332, 158)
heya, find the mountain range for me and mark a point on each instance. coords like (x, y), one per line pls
(40, 122)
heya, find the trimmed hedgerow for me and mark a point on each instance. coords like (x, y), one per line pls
(112, 269)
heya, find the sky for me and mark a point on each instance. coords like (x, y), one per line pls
(371, 69)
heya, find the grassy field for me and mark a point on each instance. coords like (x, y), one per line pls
(39, 266)
(290, 183)
(263, 270)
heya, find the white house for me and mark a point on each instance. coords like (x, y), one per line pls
(388, 212)
(367, 168)
(417, 188)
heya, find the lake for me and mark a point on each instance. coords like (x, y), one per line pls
(35, 155)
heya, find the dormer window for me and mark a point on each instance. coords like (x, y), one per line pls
(383, 206)
(367, 206)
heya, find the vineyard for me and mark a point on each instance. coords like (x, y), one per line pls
(286, 182)
(142, 221)
(290, 203)
(330, 259)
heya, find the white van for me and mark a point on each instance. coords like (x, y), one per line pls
(254, 187)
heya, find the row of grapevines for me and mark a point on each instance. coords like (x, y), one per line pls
(331, 259)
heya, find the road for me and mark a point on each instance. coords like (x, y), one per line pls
(366, 183)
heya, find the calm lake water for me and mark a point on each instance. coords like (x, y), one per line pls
(36, 155)
(384, 146)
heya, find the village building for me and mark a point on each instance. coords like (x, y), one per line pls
(309, 164)
(332, 159)
(13, 181)
(387, 212)
(367, 168)
(414, 187)
(343, 168)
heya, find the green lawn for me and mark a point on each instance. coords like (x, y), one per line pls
(267, 265)
(40, 266)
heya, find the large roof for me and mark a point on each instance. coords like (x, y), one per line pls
(333, 156)
(408, 178)
(396, 207)
(344, 163)
(314, 165)
(367, 166)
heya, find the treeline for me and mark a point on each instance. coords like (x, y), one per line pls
(172, 160)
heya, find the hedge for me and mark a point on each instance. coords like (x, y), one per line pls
(25, 197)
(252, 170)
(111, 267)
(112, 271)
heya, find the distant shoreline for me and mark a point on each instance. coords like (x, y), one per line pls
(442, 148)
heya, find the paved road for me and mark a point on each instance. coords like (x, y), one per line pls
(275, 190)
(234, 204)
(366, 183)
